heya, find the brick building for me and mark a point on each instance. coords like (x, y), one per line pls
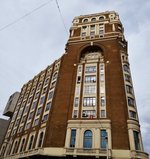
(82, 105)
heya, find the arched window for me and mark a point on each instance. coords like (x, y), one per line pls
(85, 20)
(87, 143)
(15, 147)
(22, 145)
(40, 139)
(93, 19)
(101, 18)
(3, 151)
(31, 142)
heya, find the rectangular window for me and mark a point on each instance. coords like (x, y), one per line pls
(90, 89)
(75, 114)
(89, 101)
(92, 33)
(37, 95)
(102, 101)
(126, 68)
(27, 126)
(131, 101)
(83, 34)
(78, 79)
(77, 90)
(79, 69)
(90, 69)
(132, 114)
(23, 119)
(48, 106)
(30, 115)
(102, 77)
(103, 114)
(92, 27)
(42, 100)
(36, 122)
(127, 78)
(89, 113)
(104, 139)
(50, 95)
(39, 111)
(76, 102)
(129, 89)
(90, 79)
(73, 138)
(45, 118)
(136, 140)
(34, 105)
(101, 67)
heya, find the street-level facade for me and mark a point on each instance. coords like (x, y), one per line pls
(83, 105)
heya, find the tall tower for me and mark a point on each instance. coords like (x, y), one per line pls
(83, 105)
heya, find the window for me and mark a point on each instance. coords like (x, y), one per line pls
(39, 111)
(102, 101)
(127, 78)
(31, 142)
(39, 86)
(30, 115)
(26, 109)
(89, 101)
(45, 118)
(90, 69)
(90, 79)
(53, 84)
(48, 106)
(23, 119)
(22, 145)
(20, 112)
(93, 19)
(90, 89)
(92, 27)
(29, 100)
(44, 90)
(3, 151)
(46, 81)
(73, 138)
(132, 114)
(76, 102)
(101, 67)
(40, 139)
(75, 114)
(20, 129)
(50, 95)
(27, 126)
(42, 100)
(36, 122)
(37, 95)
(79, 69)
(131, 101)
(55, 76)
(78, 79)
(88, 113)
(85, 20)
(129, 89)
(17, 122)
(77, 90)
(136, 140)
(101, 18)
(92, 33)
(15, 147)
(126, 68)
(87, 143)
(83, 34)
(104, 139)
(84, 27)
(103, 115)
(34, 105)
(102, 77)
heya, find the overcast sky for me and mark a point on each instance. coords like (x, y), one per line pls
(37, 40)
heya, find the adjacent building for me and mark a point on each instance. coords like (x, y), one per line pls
(82, 105)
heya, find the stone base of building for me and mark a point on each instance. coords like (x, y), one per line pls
(69, 153)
